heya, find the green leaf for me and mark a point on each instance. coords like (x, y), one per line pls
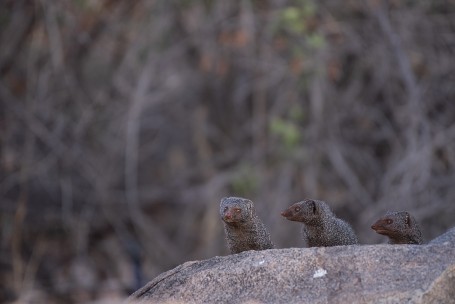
(316, 41)
(287, 131)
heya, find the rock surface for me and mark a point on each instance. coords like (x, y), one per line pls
(449, 236)
(342, 274)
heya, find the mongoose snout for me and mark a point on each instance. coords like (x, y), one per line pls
(379, 226)
(286, 213)
(231, 214)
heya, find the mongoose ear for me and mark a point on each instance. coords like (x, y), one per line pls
(407, 219)
(250, 207)
(313, 206)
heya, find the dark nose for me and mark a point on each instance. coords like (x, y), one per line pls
(373, 227)
(227, 215)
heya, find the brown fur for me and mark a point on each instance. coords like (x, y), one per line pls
(243, 228)
(321, 228)
(399, 227)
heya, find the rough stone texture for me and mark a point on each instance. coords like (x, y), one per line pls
(449, 236)
(340, 274)
(443, 288)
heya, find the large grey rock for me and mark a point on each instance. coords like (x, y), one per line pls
(343, 274)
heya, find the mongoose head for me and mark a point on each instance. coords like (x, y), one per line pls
(307, 211)
(236, 209)
(400, 227)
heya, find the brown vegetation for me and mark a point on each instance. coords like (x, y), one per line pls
(123, 124)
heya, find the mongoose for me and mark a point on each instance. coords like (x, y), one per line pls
(321, 228)
(399, 227)
(244, 230)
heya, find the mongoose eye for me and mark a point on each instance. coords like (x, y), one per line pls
(226, 209)
(389, 221)
(297, 209)
(238, 210)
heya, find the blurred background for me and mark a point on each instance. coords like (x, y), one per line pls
(123, 124)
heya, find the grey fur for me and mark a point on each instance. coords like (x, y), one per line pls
(245, 231)
(321, 228)
(400, 227)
